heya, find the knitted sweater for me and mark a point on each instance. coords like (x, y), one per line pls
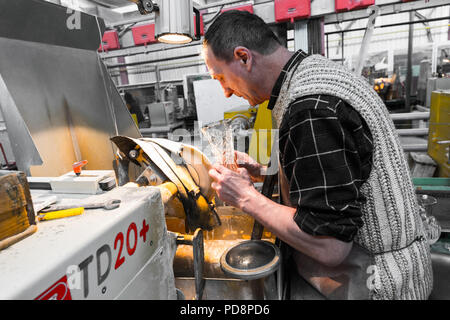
(393, 230)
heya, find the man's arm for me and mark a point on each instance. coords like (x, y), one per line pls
(326, 156)
(236, 189)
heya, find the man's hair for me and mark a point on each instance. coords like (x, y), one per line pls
(239, 28)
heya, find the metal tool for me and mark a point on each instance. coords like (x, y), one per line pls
(108, 205)
(40, 203)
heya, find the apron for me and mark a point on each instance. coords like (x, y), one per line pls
(354, 278)
(348, 281)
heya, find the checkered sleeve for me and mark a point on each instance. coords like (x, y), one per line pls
(325, 152)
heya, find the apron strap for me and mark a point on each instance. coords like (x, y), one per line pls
(267, 190)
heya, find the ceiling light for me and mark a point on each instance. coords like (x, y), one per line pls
(174, 38)
(174, 21)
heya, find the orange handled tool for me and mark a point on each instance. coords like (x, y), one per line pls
(77, 166)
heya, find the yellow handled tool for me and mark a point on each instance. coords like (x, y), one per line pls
(61, 214)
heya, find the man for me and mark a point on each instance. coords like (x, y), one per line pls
(349, 210)
(133, 107)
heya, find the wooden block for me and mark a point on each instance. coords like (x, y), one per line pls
(16, 206)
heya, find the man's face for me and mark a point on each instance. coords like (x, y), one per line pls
(234, 77)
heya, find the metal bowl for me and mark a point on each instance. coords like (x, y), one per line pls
(249, 260)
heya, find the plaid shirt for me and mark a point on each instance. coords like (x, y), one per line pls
(326, 154)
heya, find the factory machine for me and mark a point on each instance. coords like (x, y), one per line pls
(161, 118)
(96, 211)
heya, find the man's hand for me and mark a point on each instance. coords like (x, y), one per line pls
(254, 169)
(232, 187)
(236, 189)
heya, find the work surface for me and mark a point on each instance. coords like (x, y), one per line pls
(101, 254)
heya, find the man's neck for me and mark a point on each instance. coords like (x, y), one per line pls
(274, 65)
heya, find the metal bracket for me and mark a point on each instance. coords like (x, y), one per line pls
(375, 11)
(196, 241)
(426, 24)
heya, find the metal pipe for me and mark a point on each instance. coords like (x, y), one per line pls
(138, 71)
(118, 65)
(418, 147)
(133, 51)
(301, 35)
(413, 132)
(421, 108)
(165, 68)
(159, 93)
(409, 64)
(147, 84)
(366, 39)
(410, 116)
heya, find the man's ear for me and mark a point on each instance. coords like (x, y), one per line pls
(244, 56)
